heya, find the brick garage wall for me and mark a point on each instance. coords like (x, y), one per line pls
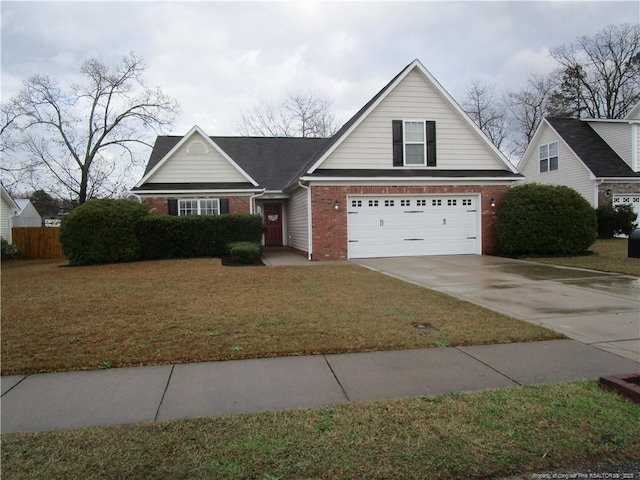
(330, 226)
(158, 205)
(616, 189)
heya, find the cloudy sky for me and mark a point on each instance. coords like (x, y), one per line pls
(216, 58)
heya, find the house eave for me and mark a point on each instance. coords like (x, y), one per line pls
(166, 192)
(618, 179)
(430, 179)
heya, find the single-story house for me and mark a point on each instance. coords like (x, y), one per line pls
(8, 209)
(597, 157)
(409, 174)
(27, 215)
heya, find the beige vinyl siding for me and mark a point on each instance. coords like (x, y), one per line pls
(369, 146)
(618, 136)
(571, 171)
(298, 220)
(197, 161)
(5, 221)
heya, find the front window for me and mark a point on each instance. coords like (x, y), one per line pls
(209, 206)
(414, 143)
(548, 157)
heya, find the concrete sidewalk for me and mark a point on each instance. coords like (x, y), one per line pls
(51, 401)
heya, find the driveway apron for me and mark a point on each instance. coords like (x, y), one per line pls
(595, 308)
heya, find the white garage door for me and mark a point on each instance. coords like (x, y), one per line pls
(397, 226)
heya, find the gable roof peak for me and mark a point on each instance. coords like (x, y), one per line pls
(361, 114)
(182, 141)
(592, 150)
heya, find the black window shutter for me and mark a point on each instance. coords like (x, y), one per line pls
(224, 205)
(172, 206)
(398, 156)
(431, 144)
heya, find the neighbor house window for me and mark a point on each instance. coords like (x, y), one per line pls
(548, 157)
(209, 206)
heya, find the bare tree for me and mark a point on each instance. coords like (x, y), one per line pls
(298, 115)
(600, 74)
(526, 109)
(487, 111)
(85, 138)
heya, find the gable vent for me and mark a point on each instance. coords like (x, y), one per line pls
(197, 148)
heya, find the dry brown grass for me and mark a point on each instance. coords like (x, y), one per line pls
(608, 256)
(58, 318)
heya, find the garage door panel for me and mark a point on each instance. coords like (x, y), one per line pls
(388, 226)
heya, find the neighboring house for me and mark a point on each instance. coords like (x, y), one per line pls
(597, 157)
(9, 209)
(27, 215)
(409, 174)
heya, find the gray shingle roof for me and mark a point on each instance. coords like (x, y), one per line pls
(594, 152)
(272, 162)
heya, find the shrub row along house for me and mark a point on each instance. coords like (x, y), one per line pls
(409, 174)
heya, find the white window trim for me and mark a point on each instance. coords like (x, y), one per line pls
(198, 205)
(423, 143)
(549, 157)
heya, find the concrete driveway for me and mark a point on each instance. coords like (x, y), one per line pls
(594, 308)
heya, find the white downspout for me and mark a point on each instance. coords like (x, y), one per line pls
(596, 190)
(309, 230)
(635, 145)
(252, 200)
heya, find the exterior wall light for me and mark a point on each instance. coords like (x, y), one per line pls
(336, 205)
(608, 193)
(492, 202)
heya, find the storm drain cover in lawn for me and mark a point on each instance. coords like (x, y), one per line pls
(425, 326)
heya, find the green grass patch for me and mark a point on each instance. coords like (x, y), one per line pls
(179, 311)
(477, 435)
(609, 255)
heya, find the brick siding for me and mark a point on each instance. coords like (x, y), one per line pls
(616, 189)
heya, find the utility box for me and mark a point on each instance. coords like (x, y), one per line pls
(634, 244)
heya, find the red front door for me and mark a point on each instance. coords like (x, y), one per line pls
(273, 224)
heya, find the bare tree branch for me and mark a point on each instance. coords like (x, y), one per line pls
(74, 135)
(301, 114)
(601, 74)
(488, 112)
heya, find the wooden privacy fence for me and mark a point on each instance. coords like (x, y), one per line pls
(38, 242)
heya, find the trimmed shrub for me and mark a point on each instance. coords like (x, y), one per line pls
(618, 220)
(102, 231)
(9, 251)
(163, 236)
(545, 220)
(245, 252)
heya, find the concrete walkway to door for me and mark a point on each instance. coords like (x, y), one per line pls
(594, 308)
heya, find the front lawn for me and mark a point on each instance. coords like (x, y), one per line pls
(609, 255)
(58, 318)
(488, 434)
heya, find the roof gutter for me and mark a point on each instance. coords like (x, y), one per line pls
(140, 191)
(309, 229)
